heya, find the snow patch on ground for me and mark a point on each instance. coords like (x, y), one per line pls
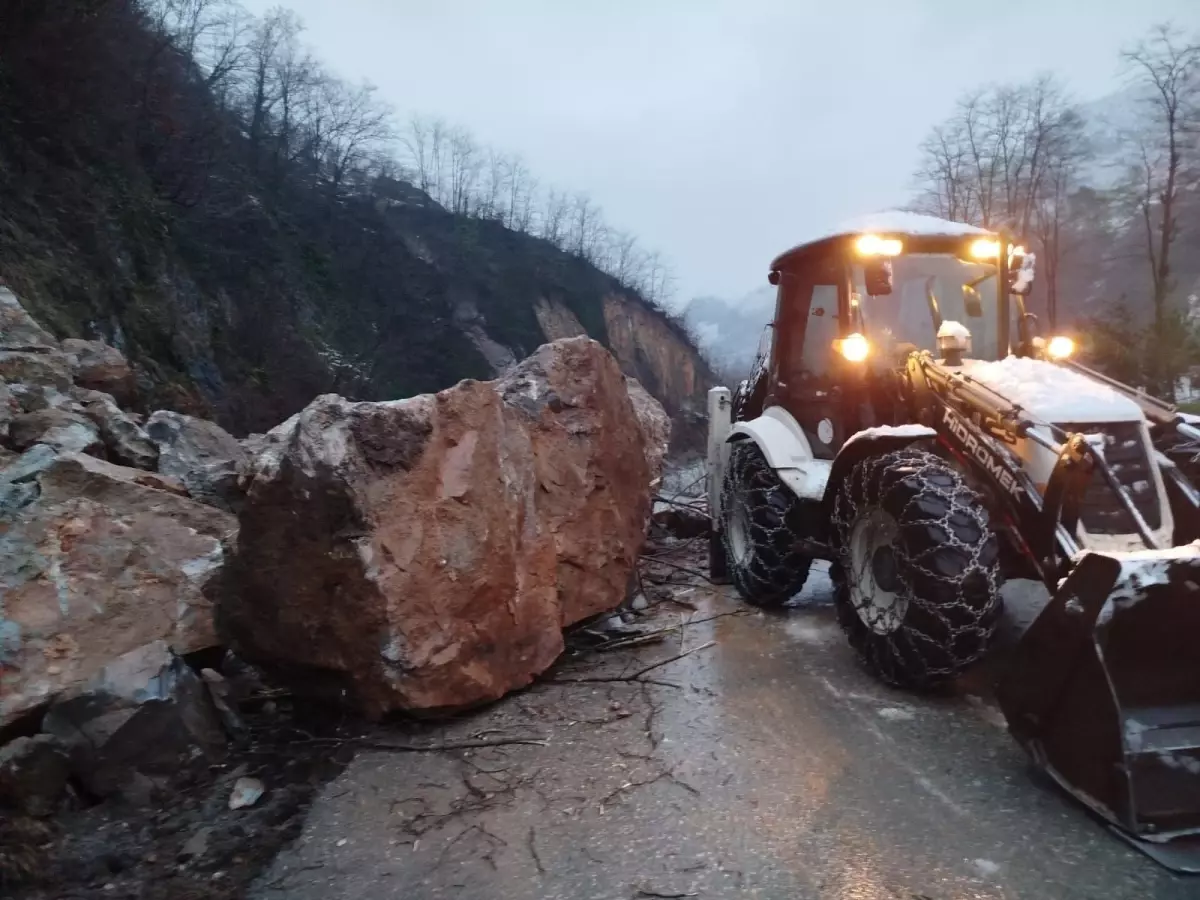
(896, 713)
(813, 632)
(986, 866)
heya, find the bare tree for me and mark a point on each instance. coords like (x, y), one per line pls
(554, 217)
(516, 181)
(464, 164)
(1166, 66)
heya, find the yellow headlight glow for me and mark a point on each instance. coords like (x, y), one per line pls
(855, 348)
(1060, 347)
(874, 245)
(985, 248)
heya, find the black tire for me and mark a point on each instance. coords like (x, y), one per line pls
(761, 522)
(925, 603)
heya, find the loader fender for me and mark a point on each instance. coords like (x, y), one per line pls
(778, 435)
(872, 442)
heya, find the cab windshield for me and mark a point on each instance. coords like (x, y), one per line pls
(924, 286)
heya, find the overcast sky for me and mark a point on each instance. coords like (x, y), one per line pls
(719, 131)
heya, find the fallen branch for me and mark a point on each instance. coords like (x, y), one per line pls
(449, 745)
(676, 566)
(609, 679)
(653, 637)
(650, 892)
(637, 676)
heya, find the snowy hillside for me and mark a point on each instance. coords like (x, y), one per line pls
(730, 331)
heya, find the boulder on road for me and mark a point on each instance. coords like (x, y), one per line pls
(207, 459)
(425, 553)
(591, 459)
(145, 713)
(98, 563)
(394, 548)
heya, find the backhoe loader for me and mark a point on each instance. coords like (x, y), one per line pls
(907, 423)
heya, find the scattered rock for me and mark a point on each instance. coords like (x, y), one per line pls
(29, 464)
(655, 426)
(222, 694)
(97, 565)
(33, 774)
(99, 367)
(197, 845)
(125, 441)
(18, 330)
(206, 458)
(16, 496)
(49, 369)
(65, 431)
(246, 792)
(425, 553)
(145, 712)
(10, 408)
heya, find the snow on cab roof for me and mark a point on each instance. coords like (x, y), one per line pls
(895, 222)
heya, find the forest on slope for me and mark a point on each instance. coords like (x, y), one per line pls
(189, 183)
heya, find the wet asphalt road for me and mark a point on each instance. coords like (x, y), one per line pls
(777, 769)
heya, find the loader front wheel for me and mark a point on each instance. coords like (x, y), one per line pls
(917, 568)
(761, 523)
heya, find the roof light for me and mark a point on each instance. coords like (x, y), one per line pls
(855, 348)
(985, 248)
(874, 245)
(1060, 347)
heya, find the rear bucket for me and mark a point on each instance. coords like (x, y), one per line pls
(1104, 694)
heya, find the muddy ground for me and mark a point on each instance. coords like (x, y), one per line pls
(708, 750)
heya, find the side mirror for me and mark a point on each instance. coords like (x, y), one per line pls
(972, 301)
(878, 277)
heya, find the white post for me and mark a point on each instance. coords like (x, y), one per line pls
(720, 422)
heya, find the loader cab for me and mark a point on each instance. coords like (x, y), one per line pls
(852, 306)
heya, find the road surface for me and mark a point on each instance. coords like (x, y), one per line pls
(777, 769)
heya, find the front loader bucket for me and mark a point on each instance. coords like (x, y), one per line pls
(1104, 694)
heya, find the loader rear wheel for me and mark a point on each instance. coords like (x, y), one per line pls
(917, 568)
(761, 523)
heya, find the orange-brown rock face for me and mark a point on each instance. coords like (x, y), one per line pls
(424, 553)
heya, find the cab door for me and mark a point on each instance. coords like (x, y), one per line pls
(811, 313)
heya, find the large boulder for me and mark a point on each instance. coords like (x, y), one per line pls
(425, 553)
(655, 426)
(142, 715)
(98, 367)
(593, 480)
(95, 560)
(206, 458)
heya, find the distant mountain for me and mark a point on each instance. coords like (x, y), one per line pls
(729, 331)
